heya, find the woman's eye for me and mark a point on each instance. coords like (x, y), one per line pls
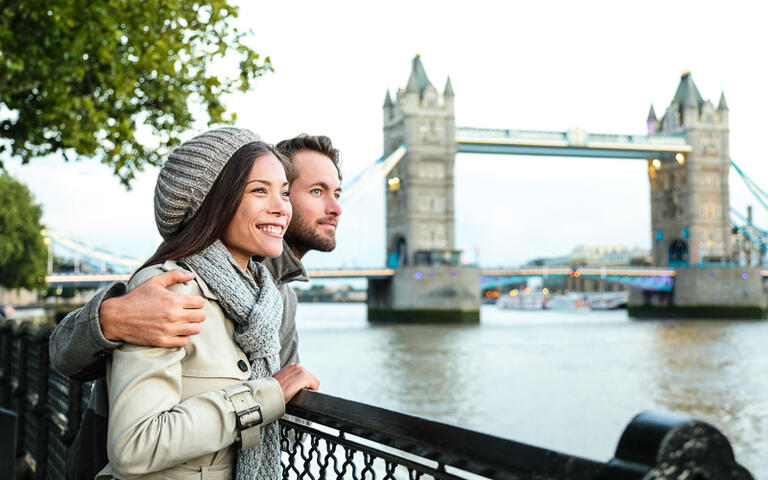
(287, 193)
(260, 190)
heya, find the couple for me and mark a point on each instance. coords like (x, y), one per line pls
(200, 355)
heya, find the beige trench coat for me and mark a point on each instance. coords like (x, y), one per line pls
(171, 410)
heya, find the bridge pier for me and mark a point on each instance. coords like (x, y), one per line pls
(705, 292)
(426, 294)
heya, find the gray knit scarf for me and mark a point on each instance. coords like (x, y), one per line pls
(254, 304)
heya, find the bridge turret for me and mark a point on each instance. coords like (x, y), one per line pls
(388, 108)
(722, 110)
(448, 95)
(690, 208)
(652, 122)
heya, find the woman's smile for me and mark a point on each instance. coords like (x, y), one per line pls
(272, 229)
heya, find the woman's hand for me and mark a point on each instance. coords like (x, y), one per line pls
(292, 378)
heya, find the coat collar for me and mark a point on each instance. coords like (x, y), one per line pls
(286, 268)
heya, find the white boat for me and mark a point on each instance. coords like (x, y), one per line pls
(568, 301)
(608, 300)
(523, 301)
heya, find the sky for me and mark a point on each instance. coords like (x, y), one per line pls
(525, 65)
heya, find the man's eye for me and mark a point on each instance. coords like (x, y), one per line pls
(315, 191)
(337, 195)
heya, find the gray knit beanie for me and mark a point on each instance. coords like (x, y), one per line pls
(188, 175)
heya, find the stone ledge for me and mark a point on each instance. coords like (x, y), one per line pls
(698, 312)
(416, 316)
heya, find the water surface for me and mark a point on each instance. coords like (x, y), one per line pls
(568, 381)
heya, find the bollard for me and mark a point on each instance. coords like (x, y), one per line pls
(678, 447)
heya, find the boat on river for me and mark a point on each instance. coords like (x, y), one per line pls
(568, 301)
(608, 300)
(523, 301)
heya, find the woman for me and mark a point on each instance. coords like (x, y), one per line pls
(207, 410)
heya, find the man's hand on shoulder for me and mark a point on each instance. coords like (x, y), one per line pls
(151, 315)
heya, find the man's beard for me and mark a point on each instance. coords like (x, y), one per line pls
(302, 235)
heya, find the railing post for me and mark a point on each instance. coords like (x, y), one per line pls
(7, 440)
(64, 404)
(677, 447)
(19, 382)
(6, 339)
(38, 397)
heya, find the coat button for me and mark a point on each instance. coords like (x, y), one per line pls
(242, 365)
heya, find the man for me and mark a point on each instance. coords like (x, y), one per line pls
(151, 315)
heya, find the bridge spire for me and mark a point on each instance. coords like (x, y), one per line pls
(722, 105)
(448, 90)
(387, 100)
(652, 121)
(687, 95)
(418, 80)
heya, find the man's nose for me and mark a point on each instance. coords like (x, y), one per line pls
(333, 207)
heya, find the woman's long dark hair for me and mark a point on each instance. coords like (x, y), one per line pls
(219, 206)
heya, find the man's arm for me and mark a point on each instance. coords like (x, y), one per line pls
(148, 315)
(77, 345)
(289, 337)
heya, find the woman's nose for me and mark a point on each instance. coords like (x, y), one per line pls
(278, 205)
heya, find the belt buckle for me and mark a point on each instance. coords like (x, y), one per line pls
(247, 418)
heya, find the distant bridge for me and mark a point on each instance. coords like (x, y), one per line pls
(575, 142)
(660, 279)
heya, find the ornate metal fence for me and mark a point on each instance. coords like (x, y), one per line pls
(325, 437)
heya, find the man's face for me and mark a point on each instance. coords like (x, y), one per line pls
(315, 199)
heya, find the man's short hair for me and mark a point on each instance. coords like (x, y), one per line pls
(316, 143)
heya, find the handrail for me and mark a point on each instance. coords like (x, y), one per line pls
(323, 436)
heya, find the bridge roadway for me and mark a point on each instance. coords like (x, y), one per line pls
(97, 278)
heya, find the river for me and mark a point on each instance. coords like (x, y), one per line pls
(568, 381)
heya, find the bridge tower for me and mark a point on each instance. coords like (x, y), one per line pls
(419, 190)
(429, 283)
(689, 192)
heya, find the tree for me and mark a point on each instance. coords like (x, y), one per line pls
(81, 78)
(23, 254)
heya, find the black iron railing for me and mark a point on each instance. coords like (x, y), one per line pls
(325, 437)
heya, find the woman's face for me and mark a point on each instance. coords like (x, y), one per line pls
(263, 215)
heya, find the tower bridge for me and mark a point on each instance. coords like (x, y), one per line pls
(688, 161)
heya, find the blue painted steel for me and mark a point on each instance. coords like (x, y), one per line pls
(649, 283)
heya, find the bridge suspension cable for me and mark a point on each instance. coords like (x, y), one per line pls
(374, 173)
(92, 252)
(753, 187)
